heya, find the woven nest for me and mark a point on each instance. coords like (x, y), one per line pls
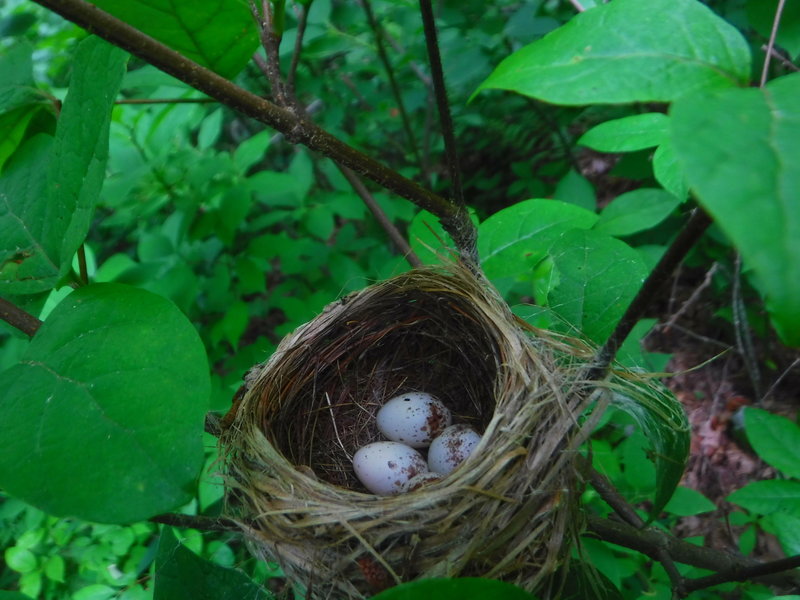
(509, 512)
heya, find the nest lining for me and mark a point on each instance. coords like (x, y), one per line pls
(507, 512)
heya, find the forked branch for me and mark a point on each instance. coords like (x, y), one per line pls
(454, 219)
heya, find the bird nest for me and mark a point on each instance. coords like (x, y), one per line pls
(508, 512)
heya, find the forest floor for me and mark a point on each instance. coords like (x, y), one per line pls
(712, 381)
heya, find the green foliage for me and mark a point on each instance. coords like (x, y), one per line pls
(218, 35)
(180, 573)
(757, 135)
(41, 237)
(186, 205)
(628, 51)
(115, 381)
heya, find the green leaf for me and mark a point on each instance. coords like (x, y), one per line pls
(627, 134)
(766, 497)
(628, 51)
(180, 573)
(13, 125)
(668, 171)
(54, 568)
(776, 439)
(17, 86)
(47, 199)
(576, 189)
(661, 418)
(106, 406)
(686, 502)
(472, 588)
(636, 211)
(787, 530)
(218, 34)
(739, 149)
(512, 241)
(761, 14)
(20, 560)
(594, 279)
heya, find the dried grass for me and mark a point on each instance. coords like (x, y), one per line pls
(509, 512)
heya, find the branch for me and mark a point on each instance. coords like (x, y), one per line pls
(771, 43)
(677, 251)
(454, 219)
(440, 93)
(18, 318)
(396, 237)
(377, 31)
(195, 522)
(650, 540)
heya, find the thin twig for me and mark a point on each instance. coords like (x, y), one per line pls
(578, 6)
(377, 32)
(442, 104)
(302, 21)
(18, 318)
(695, 295)
(165, 101)
(198, 522)
(771, 43)
(777, 382)
(455, 220)
(397, 238)
(782, 59)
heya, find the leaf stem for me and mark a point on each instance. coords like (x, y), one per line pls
(18, 318)
(454, 219)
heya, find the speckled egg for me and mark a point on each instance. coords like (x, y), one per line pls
(414, 418)
(384, 467)
(452, 448)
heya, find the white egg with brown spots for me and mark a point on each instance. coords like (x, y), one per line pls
(414, 418)
(386, 467)
(451, 448)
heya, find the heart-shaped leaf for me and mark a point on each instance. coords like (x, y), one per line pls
(102, 418)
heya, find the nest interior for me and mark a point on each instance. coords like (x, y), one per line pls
(507, 512)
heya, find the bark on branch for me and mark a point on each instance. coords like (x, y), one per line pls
(455, 220)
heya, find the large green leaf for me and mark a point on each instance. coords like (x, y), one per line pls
(776, 439)
(48, 196)
(180, 573)
(102, 418)
(472, 588)
(739, 151)
(512, 241)
(218, 34)
(663, 421)
(628, 51)
(593, 279)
